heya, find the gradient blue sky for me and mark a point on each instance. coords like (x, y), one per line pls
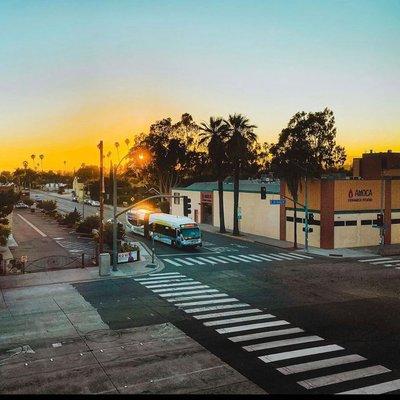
(74, 72)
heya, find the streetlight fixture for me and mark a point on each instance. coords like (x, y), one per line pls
(143, 157)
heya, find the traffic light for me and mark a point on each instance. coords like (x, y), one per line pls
(187, 206)
(310, 218)
(379, 219)
(263, 192)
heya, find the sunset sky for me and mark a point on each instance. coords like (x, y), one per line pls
(74, 72)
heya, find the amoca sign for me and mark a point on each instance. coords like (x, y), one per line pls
(360, 195)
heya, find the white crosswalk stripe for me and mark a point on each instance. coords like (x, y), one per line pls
(227, 313)
(382, 261)
(173, 284)
(204, 302)
(380, 388)
(260, 257)
(207, 260)
(214, 308)
(165, 274)
(172, 262)
(300, 353)
(239, 258)
(240, 319)
(252, 326)
(282, 343)
(374, 259)
(228, 259)
(251, 258)
(292, 256)
(329, 362)
(217, 260)
(194, 286)
(191, 292)
(301, 255)
(195, 260)
(262, 335)
(202, 296)
(185, 261)
(343, 376)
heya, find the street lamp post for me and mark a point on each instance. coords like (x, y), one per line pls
(115, 221)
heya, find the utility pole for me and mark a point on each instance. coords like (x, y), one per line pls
(115, 221)
(101, 230)
(305, 215)
(382, 227)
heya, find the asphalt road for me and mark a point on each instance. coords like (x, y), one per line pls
(289, 322)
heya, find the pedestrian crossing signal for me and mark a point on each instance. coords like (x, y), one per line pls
(187, 206)
(379, 219)
(263, 192)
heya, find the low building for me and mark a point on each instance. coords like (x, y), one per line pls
(375, 165)
(345, 210)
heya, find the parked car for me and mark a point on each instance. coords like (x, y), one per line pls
(95, 203)
(20, 204)
(87, 201)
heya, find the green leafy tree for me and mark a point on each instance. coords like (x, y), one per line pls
(306, 147)
(215, 135)
(8, 198)
(239, 145)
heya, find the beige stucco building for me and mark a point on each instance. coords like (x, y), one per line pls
(345, 210)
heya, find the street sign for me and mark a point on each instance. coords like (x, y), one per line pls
(277, 202)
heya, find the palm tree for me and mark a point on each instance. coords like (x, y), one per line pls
(241, 138)
(116, 144)
(127, 141)
(41, 156)
(33, 156)
(25, 164)
(65, 166)
(215, 135)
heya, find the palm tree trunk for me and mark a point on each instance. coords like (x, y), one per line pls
(235, 200)
(295, 225)
(221, 205)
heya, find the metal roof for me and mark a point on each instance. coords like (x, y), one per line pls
(245, 185)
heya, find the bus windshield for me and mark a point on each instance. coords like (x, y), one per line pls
(190, 233)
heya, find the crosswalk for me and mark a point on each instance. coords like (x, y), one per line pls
(76, 247)
(233, 258)
(316, 363)
(380, 261)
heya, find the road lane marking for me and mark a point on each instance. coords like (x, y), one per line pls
(261, 335)
(141, 280)
(177, 279)
(218, 260)
(239, 258)
(191, 292)
(227, 313)
(274, 257)
(205, 302)
(172, 284)
(282, 343)
(380, 388)
(292, 256)
(166, 273)
(343, 377)
(240, 319)
(262, 256)
(228, 259)
(184, 261)
(329, 362)
(301, 255)
(214, 308)
(379, 262)
(172, 262)
(207, 260)
(202, 296)
(195, 260)
(32, 226)
(250, 327)
(300, 353)
(251, 258)
(195, 285)
(375, 259)
(285, 257)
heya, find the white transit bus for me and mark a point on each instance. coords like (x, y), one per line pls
(170, 229)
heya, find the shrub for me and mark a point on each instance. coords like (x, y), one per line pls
(61, 190)
(5, 232)
(28, 202)
(88, 224)
(72, 218)
(48, 206)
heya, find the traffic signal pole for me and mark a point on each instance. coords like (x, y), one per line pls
(305, 215)
(101, 228)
